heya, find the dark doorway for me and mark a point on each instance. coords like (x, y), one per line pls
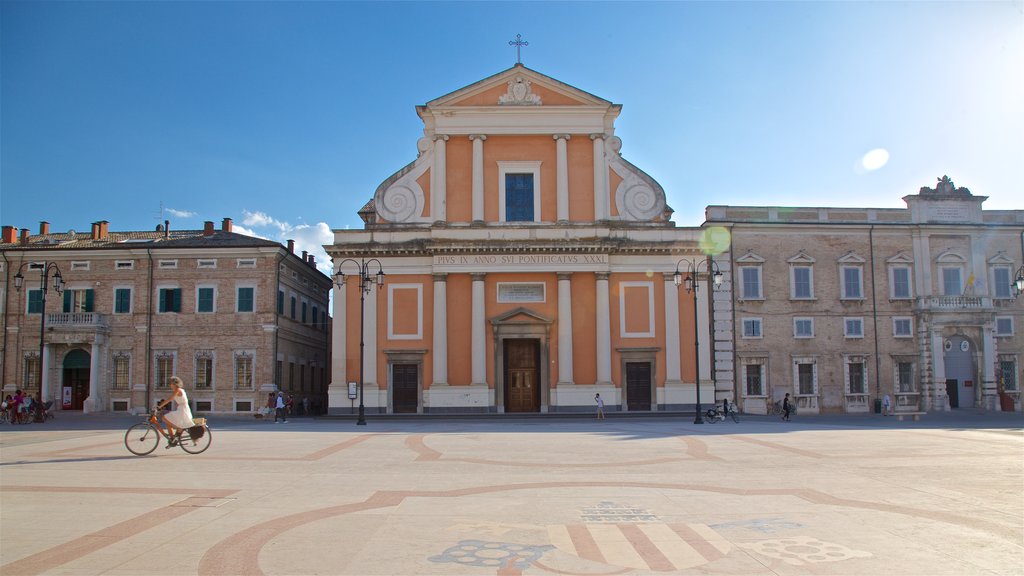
(522, 375)
(405, 380)
(638, 386)
(76, 378)
(953, 391)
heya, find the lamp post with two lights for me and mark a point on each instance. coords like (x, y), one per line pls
(714, 276)
(58, 285)
(366, 282)
(1018, 282)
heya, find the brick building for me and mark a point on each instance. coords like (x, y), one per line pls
(235, 317)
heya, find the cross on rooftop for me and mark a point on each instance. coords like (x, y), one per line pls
(518, 43)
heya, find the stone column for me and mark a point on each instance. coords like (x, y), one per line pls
(939, 399)
(478, 177)
(562, 169)
(990, 390)
(94, 403)
(370, 338)
(438, 180)
(600, 179)
(479, 331)
(604, 336)
(44, 384)
(439, 354)
(564, 328)
(673, 373)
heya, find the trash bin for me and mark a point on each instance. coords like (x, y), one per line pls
(1005, 402)
(878, 406)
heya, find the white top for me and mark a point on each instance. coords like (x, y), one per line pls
(181, 416)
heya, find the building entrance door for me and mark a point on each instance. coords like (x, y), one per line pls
(638, 386)
(405, 396)
(522, 376)
(958, 357)
(953, 393)
(76, 377)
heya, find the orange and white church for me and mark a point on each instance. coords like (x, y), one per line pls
(527, 266)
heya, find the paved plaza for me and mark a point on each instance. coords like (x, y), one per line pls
(504, 496)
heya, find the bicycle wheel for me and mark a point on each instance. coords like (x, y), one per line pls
(735, 416)
(194, 445)
(141, 439)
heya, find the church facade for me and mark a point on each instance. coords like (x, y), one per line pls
(524, 266)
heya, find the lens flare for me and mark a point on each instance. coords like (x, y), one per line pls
(714, 240)
(875, 159)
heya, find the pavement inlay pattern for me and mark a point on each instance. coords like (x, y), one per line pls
(536, 497)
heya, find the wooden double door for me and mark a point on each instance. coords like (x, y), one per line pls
(522, 375)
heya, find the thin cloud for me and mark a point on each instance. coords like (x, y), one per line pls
(310, 238)
(181, 213)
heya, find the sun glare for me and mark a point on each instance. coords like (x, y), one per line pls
(875, 159)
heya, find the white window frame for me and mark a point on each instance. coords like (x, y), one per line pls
(892, 282)
(761, 364)
(214, 288)
(80, 266)
(131, 298)
(391, 311)
(753, 322)
(796, 376)
(255, 294)
(204, 354)
(855, 320)
(810, 281)
(849, 360)
(206, 263)
(236, 354)
(124, 264)
(1001, 290)
(910, 327)
(650, 309)
(1016, 372)
(960, 279)
(997, 332)
(757, 269)
(520, 167)
(796, 332)
(249, 263)
(844, 285)
(167, 264)
(896, 376)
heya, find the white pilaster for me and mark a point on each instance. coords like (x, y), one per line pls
(564, 328)
(600, 178)
(44, 384)
(673, 372)
(478, 177)
(478, 332)
(939, 399)
(989, 391)
(439, 355)
(438, 180)
(337, 393)
(94, 403)
(562, 170)
(370, 338)
(604, 337)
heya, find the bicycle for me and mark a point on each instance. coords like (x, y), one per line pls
(776, 409)
(142, 438)
(715, 414)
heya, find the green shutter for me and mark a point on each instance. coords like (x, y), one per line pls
(67, 301)
(88, 300)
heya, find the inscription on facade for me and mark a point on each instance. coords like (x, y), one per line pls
(520, 292)
(519, 259)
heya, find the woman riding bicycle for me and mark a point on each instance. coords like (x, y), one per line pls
(181, 416)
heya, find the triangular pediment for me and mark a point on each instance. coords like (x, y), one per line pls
(518, 86)
(520, 315)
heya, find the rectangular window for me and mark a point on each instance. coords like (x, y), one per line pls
(31, 377)
(951, 285)
(751, 282)
(122, 374)
(246, 299)
(168, 264)
(1001, 282)
(294, 304)
(243, 371)
(902, 327)
(280, 301)
(1004, 325)
(855, 377)
(900, 282)
(853, 327)
(170, 300)
(164, 369)
(35, 301)
(206, 264)
(246, 263)
(852, 283)
(805, 379)
(1008, 373)
(291, 375)
(752, 328)
(519, 198)
(801, 277)
(803, 327)
(204, 300)
(124, 265)
(204, 370)
(315, 316)
(122, 300)
(304, 305)
(80, 266)
(76, 301)
(754, 379)
(905, 378)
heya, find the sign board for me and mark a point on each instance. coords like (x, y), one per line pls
(352, 391)
(66, 397)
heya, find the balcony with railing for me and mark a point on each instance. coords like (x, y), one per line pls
(954, 303)
(77, 322)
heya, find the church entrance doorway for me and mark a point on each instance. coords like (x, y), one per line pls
(638, 386)
(76, 378)
(522, 375)
(405, 379)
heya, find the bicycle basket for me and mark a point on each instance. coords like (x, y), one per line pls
(196, 432)
(199, 421)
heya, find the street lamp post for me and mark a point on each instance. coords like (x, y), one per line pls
(692, 285)
(366, 282)
(1018, 282)
(58, 286)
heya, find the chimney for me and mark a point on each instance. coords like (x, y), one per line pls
(95, 230)
(44, 228)
(208, 228)
(305, 258)
(104, 229)
(312, 261)
(225, 225)
(291, 246)
(167, 229)
(24, 235)
(10, 235)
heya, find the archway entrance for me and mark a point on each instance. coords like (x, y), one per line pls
(961, 383)
(75, 381)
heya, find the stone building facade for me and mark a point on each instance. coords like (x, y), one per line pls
(840, 307)
(235, 317)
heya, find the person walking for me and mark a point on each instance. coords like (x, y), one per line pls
(786, 407)
(279, 409)
(886, 405)
(600, 406)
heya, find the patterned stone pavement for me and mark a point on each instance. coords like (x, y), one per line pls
(500, 496)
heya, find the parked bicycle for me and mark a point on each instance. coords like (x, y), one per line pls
(142, 438)
(715, 414)
(776, 409)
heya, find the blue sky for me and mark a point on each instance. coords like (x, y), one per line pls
(285, 116)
